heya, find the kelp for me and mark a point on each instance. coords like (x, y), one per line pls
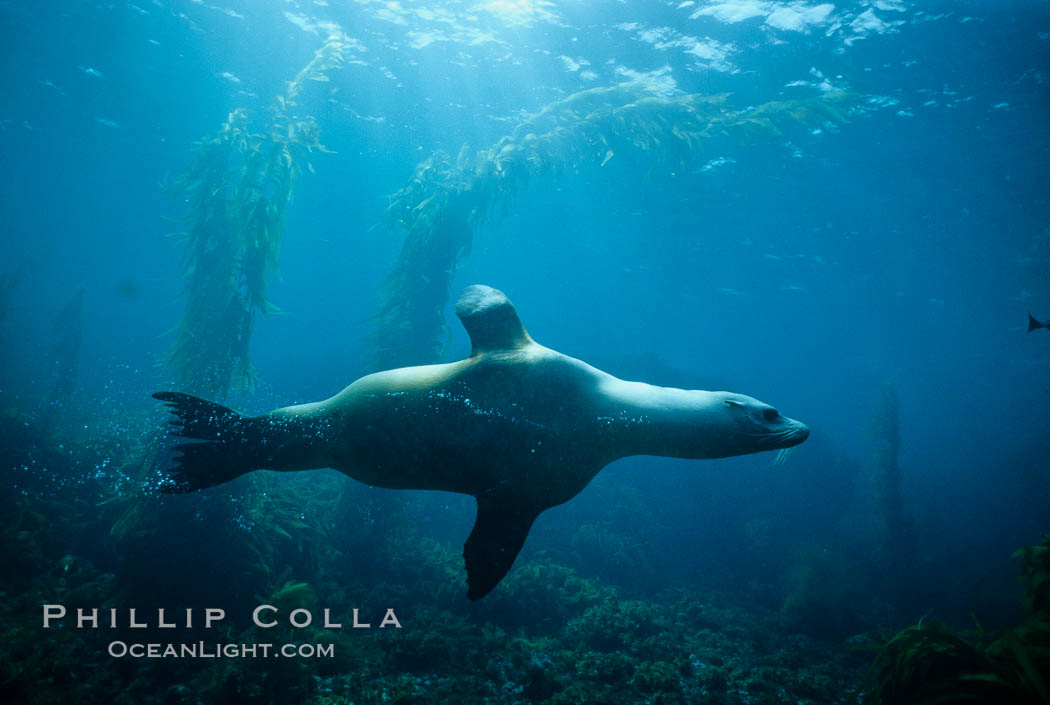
(823, 595)
(1034, 562)
(236, 193)
(9, 282)
(446, 200)
(929, 664)
(68, 331)
(900, 532)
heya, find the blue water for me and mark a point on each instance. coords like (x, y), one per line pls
(809, 270)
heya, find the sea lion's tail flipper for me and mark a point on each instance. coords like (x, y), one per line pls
(222, 450)
(499, 533)
(1033, 324)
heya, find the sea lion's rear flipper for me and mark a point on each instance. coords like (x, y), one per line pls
(499, 533)
(490, 320)
(223, 450)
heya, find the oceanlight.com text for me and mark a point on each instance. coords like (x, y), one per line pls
(202, 649)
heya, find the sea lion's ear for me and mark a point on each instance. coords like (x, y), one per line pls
(490, 320)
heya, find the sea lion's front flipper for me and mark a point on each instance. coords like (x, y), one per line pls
(499, 533)
(490, 320)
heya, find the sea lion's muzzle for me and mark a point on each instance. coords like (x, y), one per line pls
(798, 434)
(791, 434)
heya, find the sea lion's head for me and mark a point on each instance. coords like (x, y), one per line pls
(751, 426)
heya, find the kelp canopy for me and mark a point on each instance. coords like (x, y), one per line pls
(445, 200)
(236, 194)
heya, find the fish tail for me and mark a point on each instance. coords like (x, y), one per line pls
(223, 447)
(1033, 324)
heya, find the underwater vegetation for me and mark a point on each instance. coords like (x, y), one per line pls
(65, 352)
(929, 664)
(447, 199)
(900, 532)
(823, 595)
(237, 191)
(9, 282)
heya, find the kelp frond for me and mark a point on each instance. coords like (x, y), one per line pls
(929, 664)
(446, 200)
(237, 192)
(326, 59)
(1034, 562)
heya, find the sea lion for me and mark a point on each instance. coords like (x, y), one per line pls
(518, 426)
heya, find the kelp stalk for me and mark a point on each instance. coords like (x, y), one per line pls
(900, 527)
(237, 192)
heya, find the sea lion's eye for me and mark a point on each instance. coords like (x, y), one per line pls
(734, 402)
(770, 414)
